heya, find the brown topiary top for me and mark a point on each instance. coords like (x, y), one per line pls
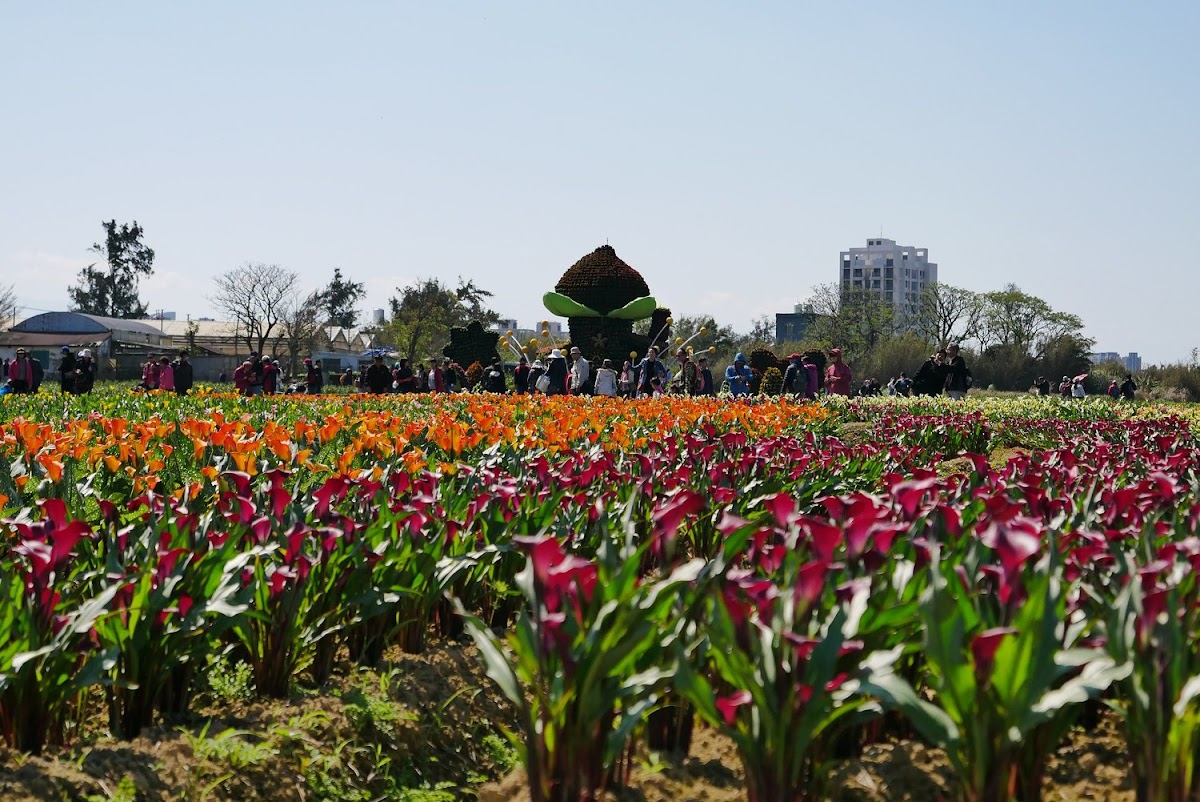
(602, 281)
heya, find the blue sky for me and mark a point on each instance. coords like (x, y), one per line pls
(728, 151)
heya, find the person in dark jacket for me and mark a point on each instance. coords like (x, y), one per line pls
(521, 376)
(706, 378)
(1042, 386)
(405, 381)
(959, 379)
(313, 381)
(1129, 388)
(85, 372)
(536, 371)
(493, 377)
(66, 370)
(183, 374)
(377, 376)
(556, 369)
(930, 378)
(795, 378)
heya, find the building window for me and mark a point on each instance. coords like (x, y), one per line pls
(857, 272)
(888, 273)
(846, 272)
(887, 285)
(890, 262)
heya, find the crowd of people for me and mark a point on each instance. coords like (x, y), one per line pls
(24, 373)
(806, 376)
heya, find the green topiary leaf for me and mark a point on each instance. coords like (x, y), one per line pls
(637, 309)
(562, 306)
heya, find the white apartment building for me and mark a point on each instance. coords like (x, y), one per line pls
(898, 273)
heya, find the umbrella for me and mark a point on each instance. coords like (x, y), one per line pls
(1080, 377)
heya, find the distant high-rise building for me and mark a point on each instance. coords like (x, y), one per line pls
(896, 273)
(793, 326)
(1132, 362)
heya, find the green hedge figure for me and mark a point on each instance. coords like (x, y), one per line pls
(472, 344)
(601, 297)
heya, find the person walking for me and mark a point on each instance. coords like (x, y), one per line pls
(66, 370)
(314, 382)
(377, 376)
(580, 371)
(556, 369)
(150, 374)
(85, 372)
(536, 371)
(20, 372)
(270, 376)
(627, 382)
(837, 374)
(958, 380)
(183, 374)
(1041, 385)
(930, 378)
(606, 380)
(687, 380)
(521, 376)
(166, 374)
(795, 378)
(493, 377)
(707, 387)
(1129, 388)
(651, 375)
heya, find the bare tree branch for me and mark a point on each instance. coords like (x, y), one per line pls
(256, 295)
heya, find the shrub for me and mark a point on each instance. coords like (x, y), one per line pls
(772, 382)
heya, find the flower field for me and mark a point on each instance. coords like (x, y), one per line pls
(802, 583)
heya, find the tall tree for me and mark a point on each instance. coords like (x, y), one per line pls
(339, 300)
(944, 314)
(255, 296)
(112, 290)
(855, 320)
(426, 310)
(1016, 319)
(8, 303)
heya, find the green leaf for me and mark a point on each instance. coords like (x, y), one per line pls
(932, 722)
(562, 306)
(637, 309)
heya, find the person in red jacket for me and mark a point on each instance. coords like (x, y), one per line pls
(837, 374)
(241, 377)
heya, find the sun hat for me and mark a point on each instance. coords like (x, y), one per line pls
(86, 353)
(556, 354)
(537, 363)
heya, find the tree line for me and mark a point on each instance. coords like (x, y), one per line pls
(1009, 336)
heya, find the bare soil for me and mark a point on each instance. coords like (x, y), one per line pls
(424, 728)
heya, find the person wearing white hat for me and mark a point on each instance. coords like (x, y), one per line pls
(536, 371)
(85, 372)
(556, 369)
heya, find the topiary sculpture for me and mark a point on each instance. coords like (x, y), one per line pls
(472, 344)
(601, 297)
